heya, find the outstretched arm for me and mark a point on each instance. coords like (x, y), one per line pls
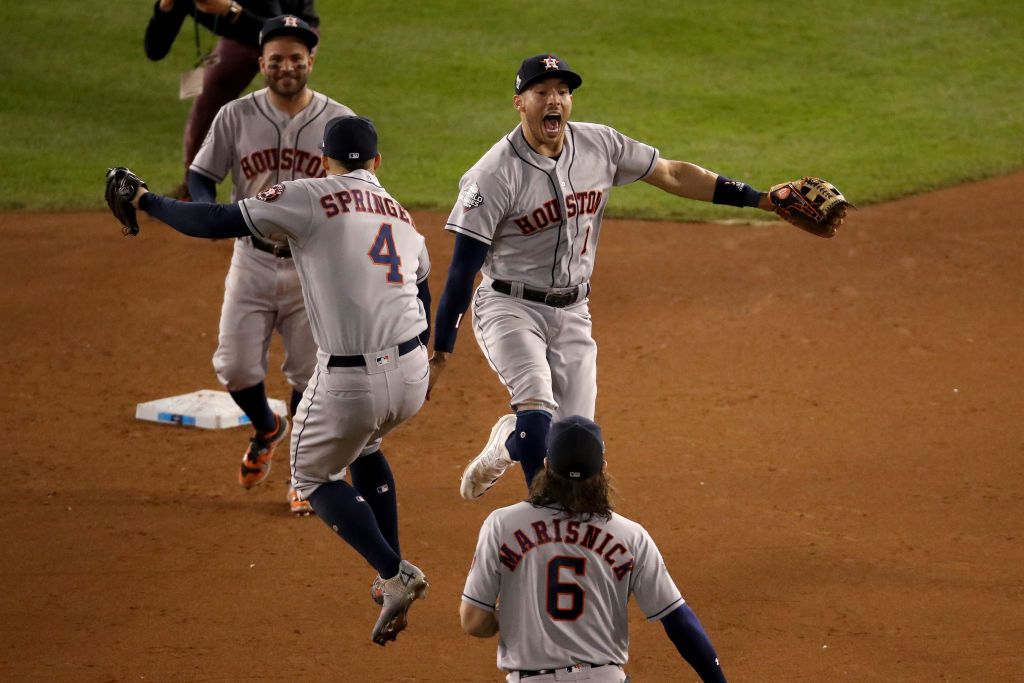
(686, 633)
(195, 219)
(688, 180)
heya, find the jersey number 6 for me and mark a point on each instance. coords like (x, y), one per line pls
(565, 599)
(383, 253)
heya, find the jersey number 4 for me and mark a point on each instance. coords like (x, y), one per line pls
(383, 253)
(566, 598)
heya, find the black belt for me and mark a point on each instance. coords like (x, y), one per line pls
(278, 250)
(544, 672)
(561, 299)
(360, 361)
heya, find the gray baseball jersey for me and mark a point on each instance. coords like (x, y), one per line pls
(359, 282)
(259, 145)
(542, 219)
(359, 258)
(542, 216)
(561, 586)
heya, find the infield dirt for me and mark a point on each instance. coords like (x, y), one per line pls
(825, 438)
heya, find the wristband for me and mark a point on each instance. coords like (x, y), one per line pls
(735, 193)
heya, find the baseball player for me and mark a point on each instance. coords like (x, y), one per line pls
(235, 58)
(553, 575)
(264, 138)
(529, 215)
(363, 268)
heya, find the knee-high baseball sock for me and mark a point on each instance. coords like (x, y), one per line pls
(253, 402)
(294, 404)
(528, 444)
(372, 478)
(348, 515)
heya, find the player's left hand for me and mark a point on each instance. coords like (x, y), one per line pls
(437, 363)
(122, 193)
(811, 204)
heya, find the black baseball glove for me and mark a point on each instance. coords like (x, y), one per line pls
(122, 186)
(811, 204)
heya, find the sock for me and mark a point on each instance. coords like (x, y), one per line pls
(528, 444)
(253, 402)
(294, 405)
(372, 478)
(347, 514)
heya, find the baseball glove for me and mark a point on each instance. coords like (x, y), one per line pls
(811, 204)
(122, 185)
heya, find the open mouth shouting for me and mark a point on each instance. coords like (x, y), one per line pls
(552, 124)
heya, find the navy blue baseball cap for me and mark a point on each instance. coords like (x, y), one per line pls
(288, 25)
(350, 139)
(575, 448)
(543, 66)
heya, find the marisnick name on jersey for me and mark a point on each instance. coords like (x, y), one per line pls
(288, 159)
(593, 538)
(550, 213)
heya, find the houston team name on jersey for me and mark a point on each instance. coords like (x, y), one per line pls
(363, 201)
(577, 203)
(290, 158)
(543, 532)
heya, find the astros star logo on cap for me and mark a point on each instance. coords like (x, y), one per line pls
(291, 21)
(550, 63)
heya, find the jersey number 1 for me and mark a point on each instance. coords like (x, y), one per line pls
(565, 599)
(383, 253)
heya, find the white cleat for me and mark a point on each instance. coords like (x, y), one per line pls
(484, 470)
(397, 595)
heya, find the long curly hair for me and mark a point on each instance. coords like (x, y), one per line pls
(582, 500)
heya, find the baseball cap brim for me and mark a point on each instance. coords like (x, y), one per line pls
(571, 78)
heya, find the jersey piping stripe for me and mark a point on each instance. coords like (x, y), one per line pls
(249, 221)
(554, 188)
(206, 172)
(646, 173)
(479, 602)
(298, 439)
(469, 233)
(572, 188)
(298, 134)
(483, 342)
(277, 171)
(665, 610)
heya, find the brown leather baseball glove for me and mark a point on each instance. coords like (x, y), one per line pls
(811, 204)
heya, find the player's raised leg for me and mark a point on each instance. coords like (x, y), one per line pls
(513, 337)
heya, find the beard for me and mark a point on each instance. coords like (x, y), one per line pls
(287, 87)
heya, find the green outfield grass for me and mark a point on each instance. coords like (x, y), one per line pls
(883, 98)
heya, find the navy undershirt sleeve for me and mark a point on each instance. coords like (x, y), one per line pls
(196, 219)
(201, 188)
(423, 292)
(467, 259)
(686, 633)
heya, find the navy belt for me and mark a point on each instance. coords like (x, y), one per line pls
(278, 250)
(544, 672)
(360, 361)
(561, 299)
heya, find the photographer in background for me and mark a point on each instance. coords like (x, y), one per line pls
(233, 62)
